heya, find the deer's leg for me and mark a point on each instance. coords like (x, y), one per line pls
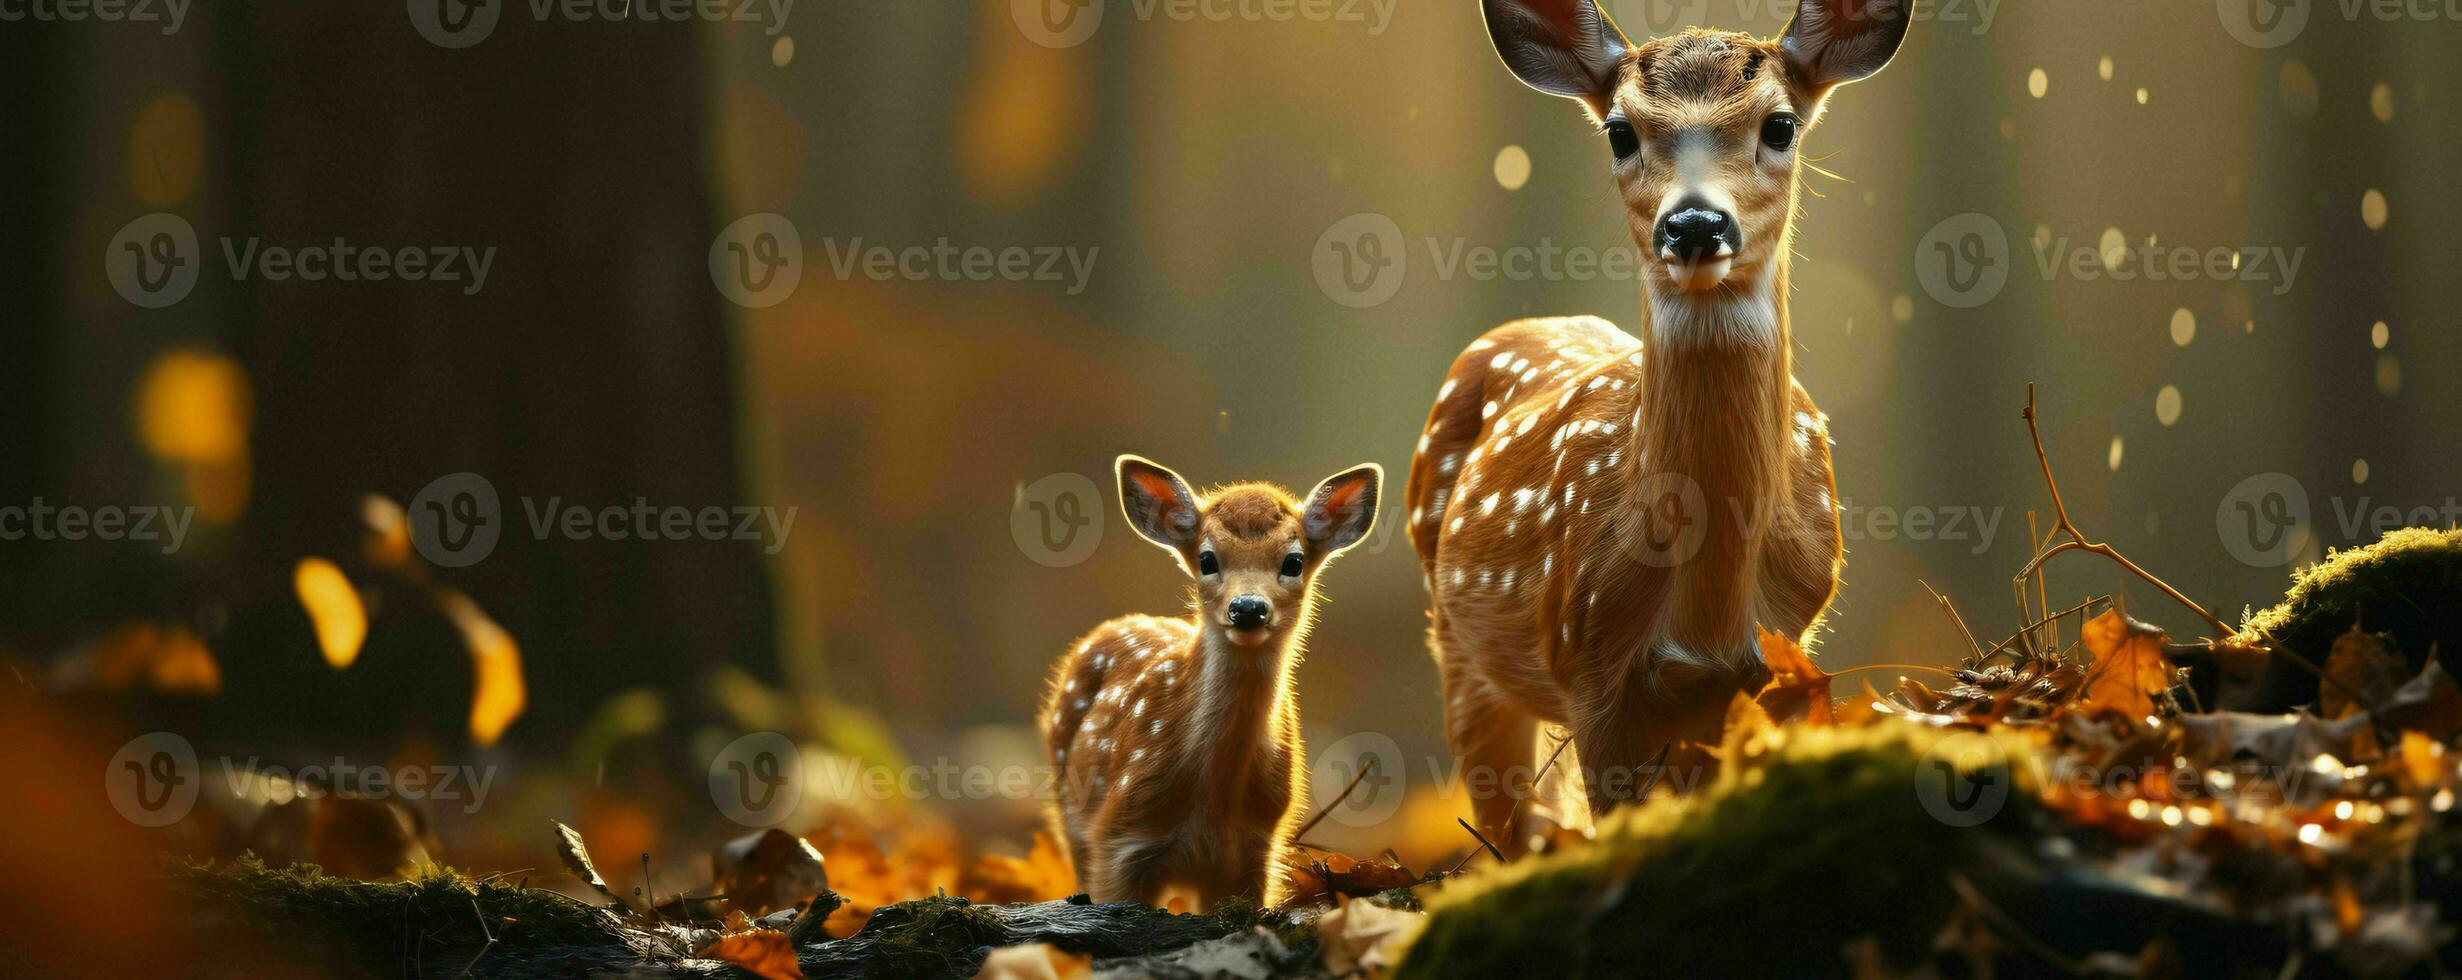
(1491, 740)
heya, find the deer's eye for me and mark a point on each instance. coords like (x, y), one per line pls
(1778, 132)
(1622, 139)
(1207, 564)
(1293, 565)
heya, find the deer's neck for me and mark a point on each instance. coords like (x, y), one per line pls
(1242, 694)
(1713, 410)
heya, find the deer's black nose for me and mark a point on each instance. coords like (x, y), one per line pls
(1695, 231)
(1249, 611)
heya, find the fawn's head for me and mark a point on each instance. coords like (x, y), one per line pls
(1254, 551)
(1702, 127)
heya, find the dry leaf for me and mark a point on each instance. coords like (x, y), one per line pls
(1035, 961)
(1797, 689)
(2359, 665)
(768, 870)
(1043, 875)
(1342, 874)
(576, 856)
(2429, 703)
(765, 952)
(1361, 937)
(2129, 669)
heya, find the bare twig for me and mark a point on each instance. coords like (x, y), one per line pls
(1960, 621)
(1513, 818)
(2023, 636)
(1658, 770)
(484, 931)
(2077, 540)
(1483, 843)
(1338, 798)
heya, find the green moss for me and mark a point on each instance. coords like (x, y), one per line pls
(933, 937)
(2409, 584)
(441, 916)
(1773, 871)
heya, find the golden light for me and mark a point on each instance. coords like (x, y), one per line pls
(2103, 68)
(2115, 454)
(2381, 102)
(782, 52)
(498, 695)
(166, 150)
(2372, 209)
(193, 407)
(2389, 375)
(2167, 405)
(1021, 121)
(2037, 83)
(2380, 335)
(2183, 326)
(334, 608)
(2359, 471)
(171, 659)
(2113, 248)
(1512, 167)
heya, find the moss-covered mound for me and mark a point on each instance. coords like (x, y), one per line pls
(2409, 585)
(1841, 835)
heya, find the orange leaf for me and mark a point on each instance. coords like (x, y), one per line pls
(1043, 875)
(765, 952)
(1797, 688)
(2129, 669)
(2360, 667)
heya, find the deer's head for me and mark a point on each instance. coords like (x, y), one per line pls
(1701, 128)
(1253, 551)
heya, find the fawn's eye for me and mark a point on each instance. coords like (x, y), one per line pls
(1778, 132)
(1622, 139)
(1207, 564)
(1293, 564)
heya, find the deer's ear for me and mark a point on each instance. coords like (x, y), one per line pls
(1560, 47)
(1157, 502)
(1342, 509)
(1833, 42)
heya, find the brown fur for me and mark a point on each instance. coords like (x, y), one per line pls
(1603, 528)
(1178, 746)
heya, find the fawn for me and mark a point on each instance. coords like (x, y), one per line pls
(1177, 740)
(1603, 530)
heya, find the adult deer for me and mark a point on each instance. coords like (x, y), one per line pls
(1604, 524)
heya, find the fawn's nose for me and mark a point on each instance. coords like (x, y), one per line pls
(1249, 611)
(1696, 232)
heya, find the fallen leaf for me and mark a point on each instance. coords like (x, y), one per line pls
(1797, 689)
(1361, 937)
(2429, 703)
(2129, 669)
(2360, 666)
(576, 857)
(333, 607)
(1341, 874)
(1043, 875)
(766, 953)
(768, 870)
(1035, 961)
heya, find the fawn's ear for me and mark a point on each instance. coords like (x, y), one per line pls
(1342, 509)
(1560, 47)
(1833, 42)
(1158, 503)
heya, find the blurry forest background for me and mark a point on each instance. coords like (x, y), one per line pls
(1198, 163)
